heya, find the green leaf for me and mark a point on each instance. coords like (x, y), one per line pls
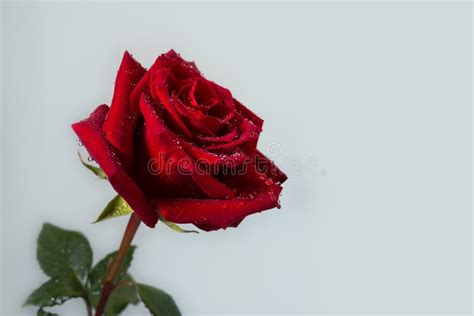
(55, 292)
(100, 269)
(176, 228)
(123, 294)
(116, 207)
(63, 253)
(95, 170)
(42, 312)
(158, 302)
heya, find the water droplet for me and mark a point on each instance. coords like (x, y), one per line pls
(90, 159)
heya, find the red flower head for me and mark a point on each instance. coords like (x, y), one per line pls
(176, 144)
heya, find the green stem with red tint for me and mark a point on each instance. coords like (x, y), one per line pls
(109, 280)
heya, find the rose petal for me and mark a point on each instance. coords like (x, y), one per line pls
(256, 193)
(224, 108)
(215, 214)
(160, 92)
(191, 94)
(120, 123)
(224, 94)
(249, 134)
(90, 133)
(181, 68)
(218, 139)
(161, 140)
(268, 167)
(242, 109)
(163, 61)
(216, 161)
(204, 91)
(140, 88)
(202, 124)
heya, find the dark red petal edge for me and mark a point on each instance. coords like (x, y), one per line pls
(247, 113)
(159, 91)
(216, 214)
(90, 134)
(268, 167)
(119, 124)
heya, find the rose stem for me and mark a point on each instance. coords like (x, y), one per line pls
(114, 268)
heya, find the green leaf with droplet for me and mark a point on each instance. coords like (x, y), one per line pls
(100, 269)
(63, 253)
(176, 227)
(42, 312)
(95, 170)
(55, 292)
(123, 294)
(158, 302)
(115, 208)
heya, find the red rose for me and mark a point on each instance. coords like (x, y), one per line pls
(176, 144)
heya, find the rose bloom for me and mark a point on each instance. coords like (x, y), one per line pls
(175, 144)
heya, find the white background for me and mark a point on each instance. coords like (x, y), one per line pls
(378, 94)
